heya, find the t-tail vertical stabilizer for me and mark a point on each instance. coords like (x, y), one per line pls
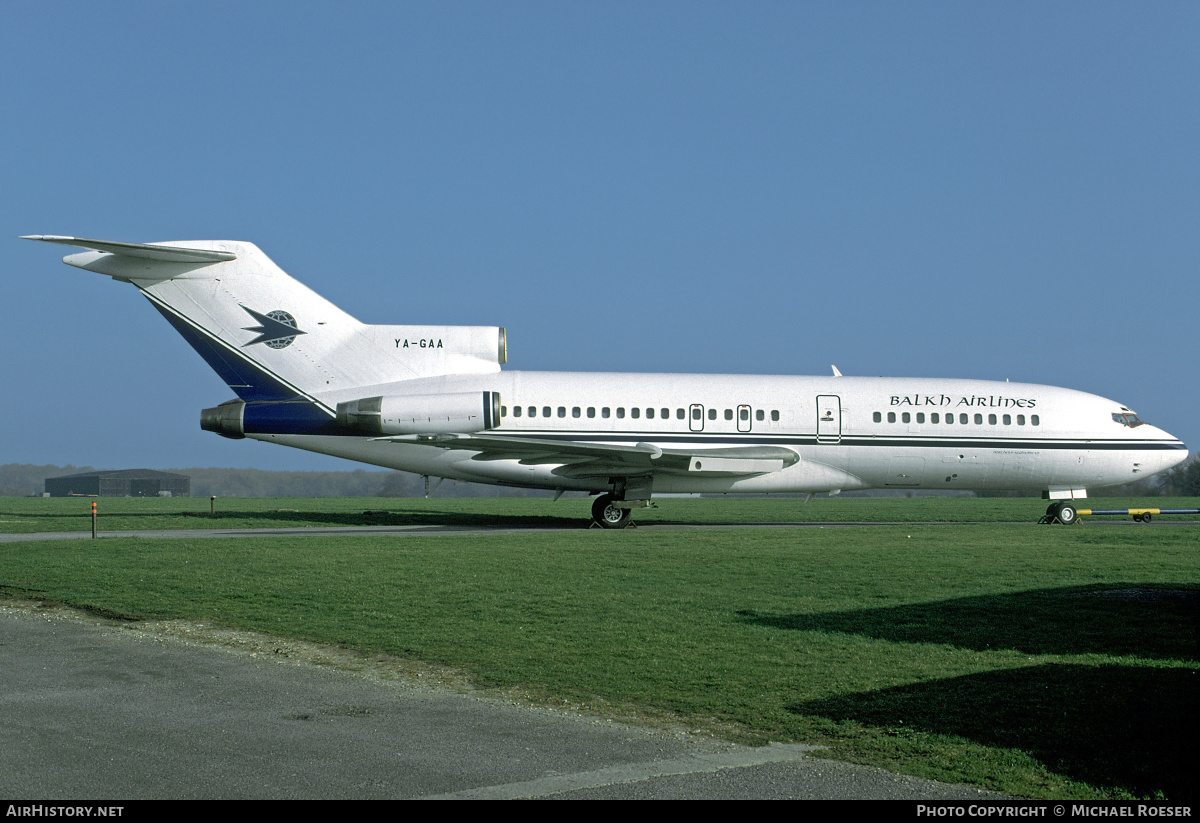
(270, 337)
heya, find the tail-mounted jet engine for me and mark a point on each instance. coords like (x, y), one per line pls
(422, 413)
(403, 414)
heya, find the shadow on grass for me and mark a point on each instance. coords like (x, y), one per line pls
(1122, 728)
(1156, 622)
(284, 518)
(408, 517)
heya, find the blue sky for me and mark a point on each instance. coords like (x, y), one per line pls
(1006, 190)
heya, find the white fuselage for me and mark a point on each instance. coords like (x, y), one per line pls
(436, 401)
(850, 432)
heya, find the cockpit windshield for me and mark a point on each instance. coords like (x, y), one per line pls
(1127, 419)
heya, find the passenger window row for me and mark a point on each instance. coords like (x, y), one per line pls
(605, 412)
(963, 418)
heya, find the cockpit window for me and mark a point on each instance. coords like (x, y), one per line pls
(1127, 419)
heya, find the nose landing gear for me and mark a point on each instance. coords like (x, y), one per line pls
(1062, 512)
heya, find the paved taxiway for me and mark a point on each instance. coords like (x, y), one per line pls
(94, 709)
(434, 530)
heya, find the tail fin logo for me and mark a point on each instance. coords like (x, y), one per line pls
(277, 329)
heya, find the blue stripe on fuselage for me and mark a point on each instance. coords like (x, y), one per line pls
(787, 439)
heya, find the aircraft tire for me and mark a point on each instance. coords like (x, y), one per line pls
(607, 515)
(1067, 514)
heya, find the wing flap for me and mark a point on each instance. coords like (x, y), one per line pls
(585, 459)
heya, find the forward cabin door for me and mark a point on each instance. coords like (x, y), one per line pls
(743, 418)
(829, 418)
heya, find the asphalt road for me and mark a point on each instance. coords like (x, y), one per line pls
(100, 710)
(427, 530)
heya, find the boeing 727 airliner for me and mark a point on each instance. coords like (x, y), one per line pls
(435, 401)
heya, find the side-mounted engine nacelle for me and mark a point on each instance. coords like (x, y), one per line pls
(422, 413)
(237, 418)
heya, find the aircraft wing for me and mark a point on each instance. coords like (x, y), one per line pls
(580, 459)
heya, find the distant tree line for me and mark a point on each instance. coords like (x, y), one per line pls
(25, 480)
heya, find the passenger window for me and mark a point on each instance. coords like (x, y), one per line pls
(1008, 419)
(562, 411)
(712, 414)
(962, 418)
(744, 414)
(545, 411)
(605, 412)
(620, 412)
(635, 412)
(575, 412)
(891, 417)
(991, 419)
(516, 411)
(920, 417)
(759, 416)
(533, 411)
(979, 420)
(774, 416)
(666, 414)
(877, 417)
(1035, 420)
(696, 415)
(1020, 420)
(649, 414)
(680, 414)
(934, 417)
(729, 414)
(949, 419)
(591, 411)
(906, 417)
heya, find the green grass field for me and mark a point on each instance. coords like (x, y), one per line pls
(1034, 660)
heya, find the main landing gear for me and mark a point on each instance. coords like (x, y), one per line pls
(608, 513)
(612, 509)
(1061, 512)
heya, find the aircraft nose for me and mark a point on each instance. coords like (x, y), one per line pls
(1175, 456)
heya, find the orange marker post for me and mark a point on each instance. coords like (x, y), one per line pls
(93, 519)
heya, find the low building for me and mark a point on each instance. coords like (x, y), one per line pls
(121, 483)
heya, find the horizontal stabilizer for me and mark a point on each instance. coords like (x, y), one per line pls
(143, 251)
